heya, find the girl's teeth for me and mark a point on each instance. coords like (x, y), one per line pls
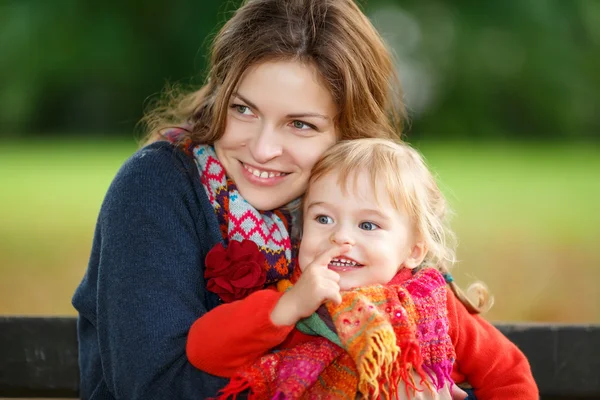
(264, 174)
(342, 262)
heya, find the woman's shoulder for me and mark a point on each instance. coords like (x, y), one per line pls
(160, 179)
(159, 170)
(158, 156)
(156, 163)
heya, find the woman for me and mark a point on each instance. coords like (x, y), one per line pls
(287, 79)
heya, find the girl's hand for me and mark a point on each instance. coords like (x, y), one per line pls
(316, 285)
(458, 393)
(449, 392)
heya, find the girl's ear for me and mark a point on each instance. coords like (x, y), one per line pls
(416, 255)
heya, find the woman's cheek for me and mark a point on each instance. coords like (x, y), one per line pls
(304, 154)
(308, 151)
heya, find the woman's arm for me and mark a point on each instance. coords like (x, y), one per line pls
(492, 364)
(144, 286)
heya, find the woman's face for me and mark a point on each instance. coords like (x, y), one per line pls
(279, 123)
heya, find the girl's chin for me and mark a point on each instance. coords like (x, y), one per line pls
(349, 281)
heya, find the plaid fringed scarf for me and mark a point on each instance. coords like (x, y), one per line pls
(240, 221)
(383, 331)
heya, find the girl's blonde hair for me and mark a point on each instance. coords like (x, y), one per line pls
(411, 187)
(333, 36)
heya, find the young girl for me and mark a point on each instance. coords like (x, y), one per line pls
(374, 228)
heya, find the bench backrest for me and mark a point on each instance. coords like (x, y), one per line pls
(38, 357)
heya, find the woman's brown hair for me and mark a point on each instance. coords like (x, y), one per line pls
(332, 35)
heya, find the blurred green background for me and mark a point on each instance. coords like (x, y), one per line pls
(504, 98)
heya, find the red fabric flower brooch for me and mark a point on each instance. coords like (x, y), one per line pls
(236, 271)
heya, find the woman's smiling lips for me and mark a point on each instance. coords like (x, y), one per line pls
(263, 177)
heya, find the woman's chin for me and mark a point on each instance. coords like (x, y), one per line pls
(266, 198)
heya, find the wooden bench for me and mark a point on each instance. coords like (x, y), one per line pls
(38, 358)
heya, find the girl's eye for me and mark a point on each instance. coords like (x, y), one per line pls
(302, 125)
(368, 226)
(242, 109)
(324, 219)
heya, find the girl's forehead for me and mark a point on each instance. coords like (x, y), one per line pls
(347, 178)
(355, 183)
(358, 183)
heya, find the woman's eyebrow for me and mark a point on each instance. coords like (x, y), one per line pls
(245, 100)
(308, 115)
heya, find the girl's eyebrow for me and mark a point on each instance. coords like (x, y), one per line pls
(299, 115)
(362, 211)
(374, 212)
(314, 204)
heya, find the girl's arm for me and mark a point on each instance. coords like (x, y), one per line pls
(240, 332)
(491, 363)
(235, 334)
(144, 286)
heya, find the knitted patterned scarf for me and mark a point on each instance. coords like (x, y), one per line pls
(383, 332)
(240, 221)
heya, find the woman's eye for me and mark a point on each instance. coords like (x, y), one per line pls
(368, 226)
(245, 110)
(324, 219)
(302, 125)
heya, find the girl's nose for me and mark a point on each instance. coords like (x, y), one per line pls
(267, 145)
(342, 236)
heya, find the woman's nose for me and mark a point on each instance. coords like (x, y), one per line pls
(342, 236)
(266, 145)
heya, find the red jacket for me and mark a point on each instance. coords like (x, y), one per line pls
(235, 334)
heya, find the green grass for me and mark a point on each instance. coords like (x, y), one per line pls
(548, 191)
(55, 186)
(526, 217)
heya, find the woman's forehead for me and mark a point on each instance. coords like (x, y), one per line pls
(286, 86)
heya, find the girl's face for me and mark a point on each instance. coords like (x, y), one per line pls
(382, 238)
(280, 121)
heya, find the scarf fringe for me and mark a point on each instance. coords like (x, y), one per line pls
(378, 363)
(411, 360)
(235, 386)
(439, 373)
(388, 363)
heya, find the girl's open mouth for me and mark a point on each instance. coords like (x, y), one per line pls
(343, 264)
